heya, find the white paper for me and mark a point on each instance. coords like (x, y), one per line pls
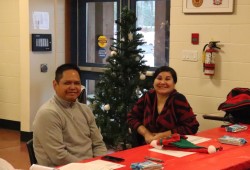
(93, 165)
(196, 139)
(41, 20)
(172, 152)
(40, 167)
(191, 138)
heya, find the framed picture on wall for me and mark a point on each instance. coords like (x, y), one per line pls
(208, 6)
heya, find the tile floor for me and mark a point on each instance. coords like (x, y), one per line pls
(13, 150)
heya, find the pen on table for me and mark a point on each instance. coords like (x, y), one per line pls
(153, 159)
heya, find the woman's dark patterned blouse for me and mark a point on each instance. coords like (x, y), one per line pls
(176, 115)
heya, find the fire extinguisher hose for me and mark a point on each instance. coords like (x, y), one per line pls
(204, 56)
(204, 53)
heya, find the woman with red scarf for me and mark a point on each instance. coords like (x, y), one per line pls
(162, 111)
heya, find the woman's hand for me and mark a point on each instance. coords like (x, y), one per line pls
(162, 135)
(149, 137)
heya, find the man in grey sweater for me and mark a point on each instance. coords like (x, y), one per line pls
(65, 130)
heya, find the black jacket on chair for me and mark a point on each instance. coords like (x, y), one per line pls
(237, 106)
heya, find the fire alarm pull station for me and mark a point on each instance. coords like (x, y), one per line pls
(195, 38)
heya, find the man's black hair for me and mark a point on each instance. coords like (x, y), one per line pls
(64, 67)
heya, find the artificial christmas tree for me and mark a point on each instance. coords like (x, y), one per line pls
(122, 83)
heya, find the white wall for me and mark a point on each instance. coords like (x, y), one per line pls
(9, 60)
(41, 88)
(205, 93)
(41, 83)
(23, 87)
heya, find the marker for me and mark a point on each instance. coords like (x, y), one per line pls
(153, 159)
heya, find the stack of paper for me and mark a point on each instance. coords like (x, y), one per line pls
(93, 165)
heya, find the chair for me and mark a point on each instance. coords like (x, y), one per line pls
(214, 117)
(31, 152)
(82, 96)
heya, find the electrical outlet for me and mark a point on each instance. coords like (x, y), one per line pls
(190, 55)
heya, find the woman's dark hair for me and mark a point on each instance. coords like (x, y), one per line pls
(64, 67)
(165, 69)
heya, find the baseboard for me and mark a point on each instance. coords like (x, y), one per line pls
(9, 124)
(15, 125)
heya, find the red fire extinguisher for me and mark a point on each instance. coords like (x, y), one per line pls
(209, 53)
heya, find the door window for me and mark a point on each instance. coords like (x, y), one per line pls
(95, 25)
(155, 29)
(100, 28)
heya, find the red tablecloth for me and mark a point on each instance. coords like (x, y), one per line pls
(230, 158)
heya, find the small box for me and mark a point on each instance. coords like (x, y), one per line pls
(236, 128)
(147, 165)
(232, 140)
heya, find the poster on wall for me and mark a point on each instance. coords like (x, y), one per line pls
(208, 6)
(40, 20)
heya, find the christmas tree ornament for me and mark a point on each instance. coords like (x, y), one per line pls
(149, 73)
(129, 131)
(138, 91)
(137, 58)
(130, 36)
(113, 53)
(107, 107)
(142, 77)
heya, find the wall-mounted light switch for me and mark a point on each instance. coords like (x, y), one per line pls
(189, 55)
